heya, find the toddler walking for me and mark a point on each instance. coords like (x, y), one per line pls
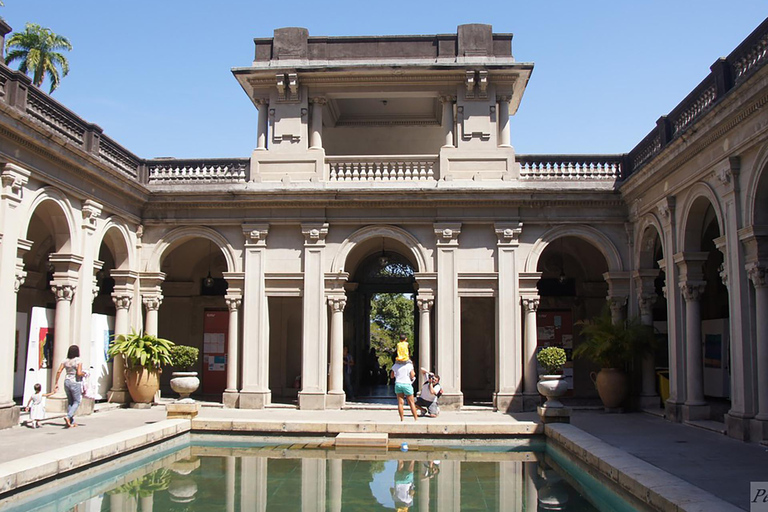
(36, 406)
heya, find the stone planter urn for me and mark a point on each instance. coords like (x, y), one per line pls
(185, 383)
(552, 387)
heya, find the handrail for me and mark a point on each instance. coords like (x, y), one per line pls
(197, 170)
(570, 167)
(382, 168)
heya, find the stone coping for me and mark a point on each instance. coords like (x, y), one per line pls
(649, 484)
(19, 473)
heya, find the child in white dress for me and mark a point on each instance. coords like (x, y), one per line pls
(36, 406)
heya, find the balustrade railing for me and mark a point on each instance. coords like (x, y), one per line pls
(203, 170)
(54, 116)
(570, 167)
(382, 168)
(114, 154)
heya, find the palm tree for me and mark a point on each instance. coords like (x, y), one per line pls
(36, 48)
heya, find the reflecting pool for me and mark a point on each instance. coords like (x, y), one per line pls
(203, 475)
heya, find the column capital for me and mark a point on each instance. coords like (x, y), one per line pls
(503, 98)
(91, 211)
(645, 302)
(425, 303)
(19, 280)
(337, 302)
(255, 234)
(261, 102)
(756, 273)
(318, 100)
(616, 302)
(447, 98)
(121, 300)
(152, 302)
(233, 302)
(314, 233)
(447, 233)
(530, 304)
(692, 290)
(63, 291)
(508, 234)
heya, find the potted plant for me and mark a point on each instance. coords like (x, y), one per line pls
(184, 381)
(613, 346)
(144, 356)
(552, 384)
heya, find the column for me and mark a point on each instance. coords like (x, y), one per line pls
(233, 299)
(448, 315)
(449, 486)
(448, 121)
(230, 482)
(504, 132)
(313, 485)
(646, 297)
(511, 485)
(152, 305)
(316, 137)
(14, 180)
(255, 392)
(119, 392)
(335, 480)
(253, 483)
(691, 287)
(336, 398)
(88, 288)
(509, 366)
(314, 338)
(261, 138)
(63, 285)
(756, 272)
(530, 340)
(424, 303)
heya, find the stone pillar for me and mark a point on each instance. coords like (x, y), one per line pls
(147, 503)
(261, 138)
(531, 495)
(253, 484)
(504, 131)
(88, 287)
(424, 303)
(448, 315)
(63, 285)
(12, 275)
(691, 287)
(336, 397)
(756, 273)
(316, 137)
(509, 364)
(511, 485)
(448, 121)
(152, 305)
(313, 485)
(255, 393)
(122, 296)
(422, 487)
(231, 482)
(449, 486)
(314, 343)
(646, 297)
(335, 481)
(530, 340)
(233, 299)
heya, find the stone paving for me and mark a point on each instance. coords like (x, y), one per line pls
(716, 463)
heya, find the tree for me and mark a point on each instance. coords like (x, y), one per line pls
(391, 315)
(38, 50)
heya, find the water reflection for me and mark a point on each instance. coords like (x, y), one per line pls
(313, 480)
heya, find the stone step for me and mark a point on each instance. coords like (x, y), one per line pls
(362, 440)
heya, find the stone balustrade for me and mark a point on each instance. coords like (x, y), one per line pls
(382, 168)
(570, 167)
(207, 170)
(117, 156)
(54, 116)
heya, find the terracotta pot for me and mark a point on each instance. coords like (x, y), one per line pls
(552, 387)
(184, 383)
(612, 387)
(142, 384)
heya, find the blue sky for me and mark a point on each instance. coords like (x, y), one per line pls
(155, 74)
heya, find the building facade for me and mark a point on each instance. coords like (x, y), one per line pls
(384, 164)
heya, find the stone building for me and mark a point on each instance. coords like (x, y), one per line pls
(388, 152)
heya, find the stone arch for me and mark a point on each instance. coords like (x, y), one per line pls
(417, 250)
(757, 192)
(700, 197)
(649, 227)
(60, 218)
(118, 237)
(177, 236)
(591, 235)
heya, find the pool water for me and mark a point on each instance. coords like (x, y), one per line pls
(244, 476)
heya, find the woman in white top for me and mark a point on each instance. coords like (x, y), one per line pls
(403, 374)
(72, 385)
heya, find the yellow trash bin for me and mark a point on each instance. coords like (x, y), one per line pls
(663, 384)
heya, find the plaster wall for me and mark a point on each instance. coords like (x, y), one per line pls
(383, 140)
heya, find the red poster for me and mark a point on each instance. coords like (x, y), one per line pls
(215, 329)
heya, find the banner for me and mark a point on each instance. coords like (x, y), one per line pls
(102, 329)
(39, 351)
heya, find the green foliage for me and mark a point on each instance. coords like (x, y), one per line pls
(145, 486)
(551, 359)
(184, 357)
(391, 315)
(142, 350)
(37, 49)
(614, 345)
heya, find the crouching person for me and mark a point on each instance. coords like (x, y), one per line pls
(430, 392)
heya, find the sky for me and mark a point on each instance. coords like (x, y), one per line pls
(156, 74)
